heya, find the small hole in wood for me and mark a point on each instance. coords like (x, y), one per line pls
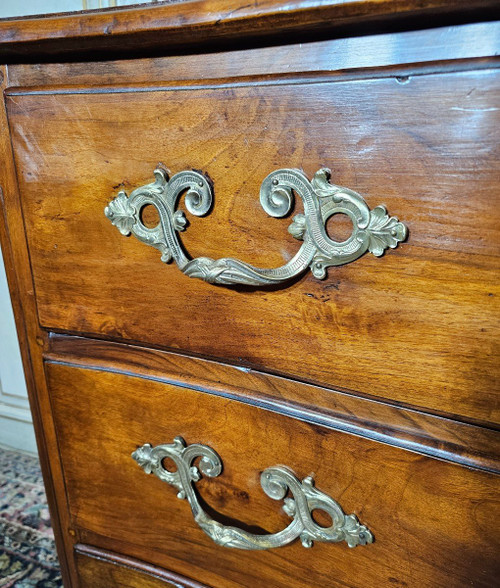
(149, 216)
(339, 227)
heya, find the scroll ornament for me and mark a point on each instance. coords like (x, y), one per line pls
(373, 230)
(276, 482)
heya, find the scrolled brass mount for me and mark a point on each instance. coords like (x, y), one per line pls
(373, 230)
(276, 482)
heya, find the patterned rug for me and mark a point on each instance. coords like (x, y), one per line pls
(27, 551)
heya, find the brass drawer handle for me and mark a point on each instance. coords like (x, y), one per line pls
(373, 230)
(276, 482)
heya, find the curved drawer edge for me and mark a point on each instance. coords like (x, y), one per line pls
(125, 567)
(432, 435)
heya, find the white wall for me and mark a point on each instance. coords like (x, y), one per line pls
(16, 429)
(11, 8)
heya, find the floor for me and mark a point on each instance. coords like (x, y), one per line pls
(27, 551)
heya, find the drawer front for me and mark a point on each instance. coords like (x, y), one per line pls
(419, 324)
(431, 521)
(101, 569)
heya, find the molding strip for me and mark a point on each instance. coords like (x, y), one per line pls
(411, 429)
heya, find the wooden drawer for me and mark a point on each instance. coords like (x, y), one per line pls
(432, 521)
(419, 325)
(101, 569)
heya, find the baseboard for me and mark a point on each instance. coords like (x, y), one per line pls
(16, 428)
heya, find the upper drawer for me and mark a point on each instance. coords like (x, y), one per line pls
(418, 325)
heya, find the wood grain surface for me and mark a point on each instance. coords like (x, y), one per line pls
(102, 569)
(381, 381)
(420, 324)
(418, 431)
(433, 522)
(31, 338)
(355, 54)
(190, 25)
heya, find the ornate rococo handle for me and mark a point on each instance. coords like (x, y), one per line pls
(276, 483)
(373, 230)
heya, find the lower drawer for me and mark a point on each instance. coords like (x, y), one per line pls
(432, 522)
(101, 569)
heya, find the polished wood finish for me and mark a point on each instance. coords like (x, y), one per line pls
(101, 569)
(333, 55)
(421, 511)
(418, 431)
(369, 313)
(382, 380)
(31, 338)
(188, 25)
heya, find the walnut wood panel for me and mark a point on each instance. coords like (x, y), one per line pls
(432, 521)
(187, 24)
(353, 53)
(102, 569)
(435, 436)
(31, 337)
(420, 325)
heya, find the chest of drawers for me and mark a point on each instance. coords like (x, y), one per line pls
(204, 419)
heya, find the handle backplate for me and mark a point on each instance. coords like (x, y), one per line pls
(277, 482)
(373, 230)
